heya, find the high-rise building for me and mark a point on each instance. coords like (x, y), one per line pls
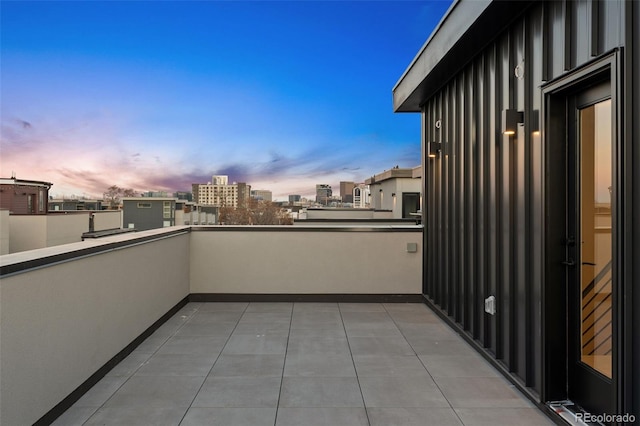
(294, 199)
(346, 191)
(261, 195)
(219, 193)
(323, 193)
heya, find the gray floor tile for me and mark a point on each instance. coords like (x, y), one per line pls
(101, 391)
(75, 416)
(237, 392)
(428, 332)
(248, 365)
(151, 344)
(380, 346)
(223, 306)
(193, 345)
(156, 391)
(273, 329)
(229, 417)
(401, 391)
(472, 365)
(318, 332)
(374, 332)
(477, 392)
(265, 318)
(320, 392)
(317, 320)
(503, 416)
(303, 365)
(137, 416)
(389, 365)
(206, 329)
(413, 417)
(361, 307)
(313, 416)
(302, 307)
(309, 345)
(255, 344)
(408, 307)
(367, 319)
(130, 364)
(216, 317)
(270, 307)
(426, 346)
(177, 365)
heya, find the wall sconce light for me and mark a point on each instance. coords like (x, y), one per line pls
(535, 122)
(434, 149)
(510, 120)
(393, 194)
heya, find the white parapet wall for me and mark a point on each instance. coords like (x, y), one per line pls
(61, 322)
(299, 260)
(30, 232)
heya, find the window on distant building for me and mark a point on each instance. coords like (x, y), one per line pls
(144, 205)
(166, 210)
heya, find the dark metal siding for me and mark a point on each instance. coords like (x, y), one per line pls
(484, 224)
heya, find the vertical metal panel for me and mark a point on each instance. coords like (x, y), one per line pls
(484, 195)
(479, 283)
(492, 135)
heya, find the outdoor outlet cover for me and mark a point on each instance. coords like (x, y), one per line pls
(490, 305)
(412, 247)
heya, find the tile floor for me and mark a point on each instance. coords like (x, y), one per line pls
(336, 364)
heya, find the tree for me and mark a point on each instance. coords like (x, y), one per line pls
(257, 213)
(113, 194)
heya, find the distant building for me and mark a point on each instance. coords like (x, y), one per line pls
(219, 193)
(74, 204)
(261, 195)
(142, 213)
(323, 194)
(397, 190)
(361, 194)
(294, 199)
(183, 195)
(24, 196)
(346, 191)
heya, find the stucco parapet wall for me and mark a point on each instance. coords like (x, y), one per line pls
(23, 261)
(302, 228)
(390, 174)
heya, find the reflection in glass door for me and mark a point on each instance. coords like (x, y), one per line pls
(595, 182)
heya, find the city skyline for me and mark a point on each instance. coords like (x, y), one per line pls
(158, 96)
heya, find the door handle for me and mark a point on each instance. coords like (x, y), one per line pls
(589, 263)
(569, 262)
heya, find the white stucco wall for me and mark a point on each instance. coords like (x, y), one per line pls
(307, 262)
(58, 329)
(4, 232)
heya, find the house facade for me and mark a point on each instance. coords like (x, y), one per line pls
(21, 196)
(531, 183)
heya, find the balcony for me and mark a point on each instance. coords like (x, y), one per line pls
(238, 325)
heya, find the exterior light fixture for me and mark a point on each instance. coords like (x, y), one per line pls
(510, 120)
(393, 194)
(434, 149)
(535, 122)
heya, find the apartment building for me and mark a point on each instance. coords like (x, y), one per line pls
(220, 193)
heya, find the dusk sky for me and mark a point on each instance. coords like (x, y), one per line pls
(155, 96)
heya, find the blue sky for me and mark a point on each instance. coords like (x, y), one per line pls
(157, 95)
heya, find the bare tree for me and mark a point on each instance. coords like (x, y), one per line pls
(114, 193)
(257, 213)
